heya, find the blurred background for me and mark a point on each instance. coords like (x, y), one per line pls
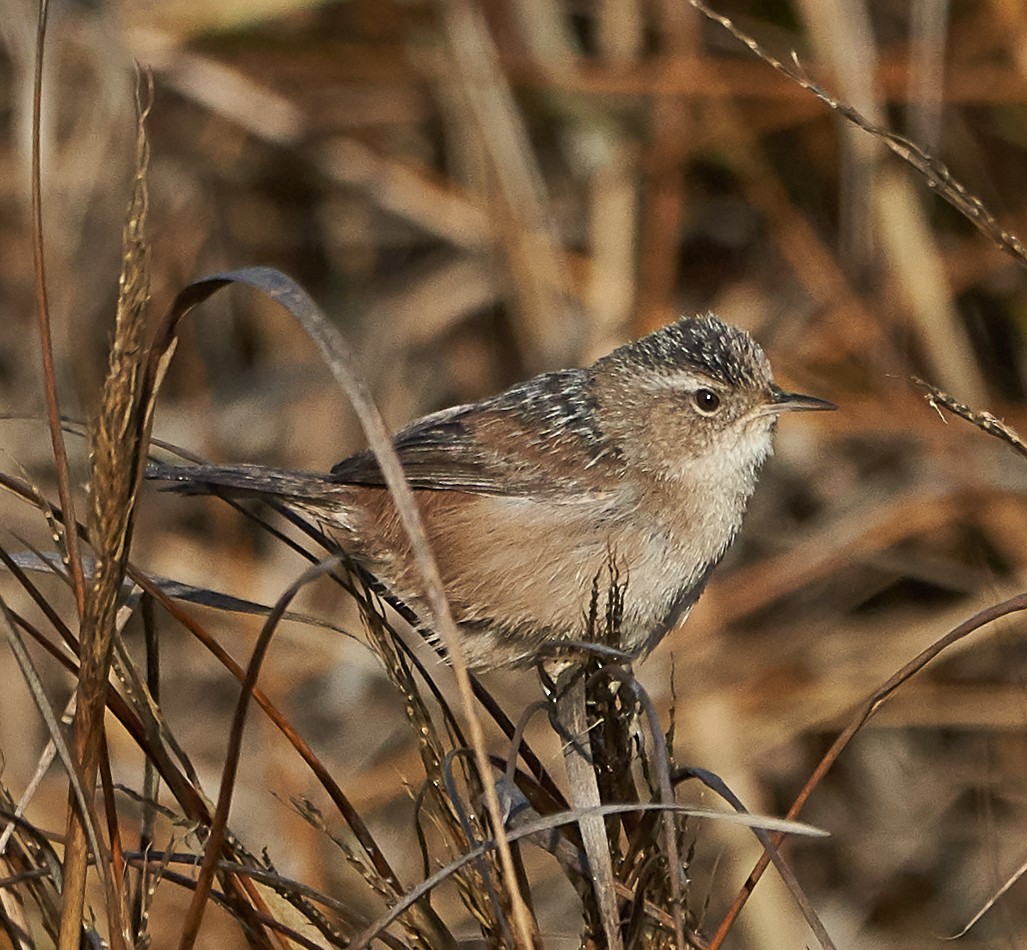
(479, 190)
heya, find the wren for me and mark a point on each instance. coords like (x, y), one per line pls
(639, 466)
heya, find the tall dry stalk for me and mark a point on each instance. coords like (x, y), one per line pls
(117, 453)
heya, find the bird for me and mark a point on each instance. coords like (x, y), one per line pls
(633, 472)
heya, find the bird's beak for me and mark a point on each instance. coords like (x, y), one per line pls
(797, 402)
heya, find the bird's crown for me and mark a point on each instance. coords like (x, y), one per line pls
(705, 344)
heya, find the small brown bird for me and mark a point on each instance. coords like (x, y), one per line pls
(638, 467)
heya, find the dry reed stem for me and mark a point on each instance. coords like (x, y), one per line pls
(53, 412)
(117, 453)
(570, 688)
(151, 779)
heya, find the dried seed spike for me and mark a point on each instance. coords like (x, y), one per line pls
(983, 420)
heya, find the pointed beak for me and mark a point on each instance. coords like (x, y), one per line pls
(797, 402)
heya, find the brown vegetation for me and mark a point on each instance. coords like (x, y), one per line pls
(473, 192)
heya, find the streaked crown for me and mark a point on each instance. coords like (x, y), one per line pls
(704, 344)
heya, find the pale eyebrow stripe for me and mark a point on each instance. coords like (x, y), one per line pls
(684, 379)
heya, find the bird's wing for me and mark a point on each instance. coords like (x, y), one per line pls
(504, 446)
(440, 452)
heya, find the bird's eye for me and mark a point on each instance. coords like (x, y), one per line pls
(706, 401)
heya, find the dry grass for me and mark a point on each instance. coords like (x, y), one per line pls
(474, 192)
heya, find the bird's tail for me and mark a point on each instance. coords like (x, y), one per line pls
(240, 480)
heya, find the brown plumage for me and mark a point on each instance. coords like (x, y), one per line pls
(640, 465)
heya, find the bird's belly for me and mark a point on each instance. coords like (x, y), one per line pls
(572, 581)
(524, 575)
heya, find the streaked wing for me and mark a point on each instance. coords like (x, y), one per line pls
(438, 452)
(502, 446)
